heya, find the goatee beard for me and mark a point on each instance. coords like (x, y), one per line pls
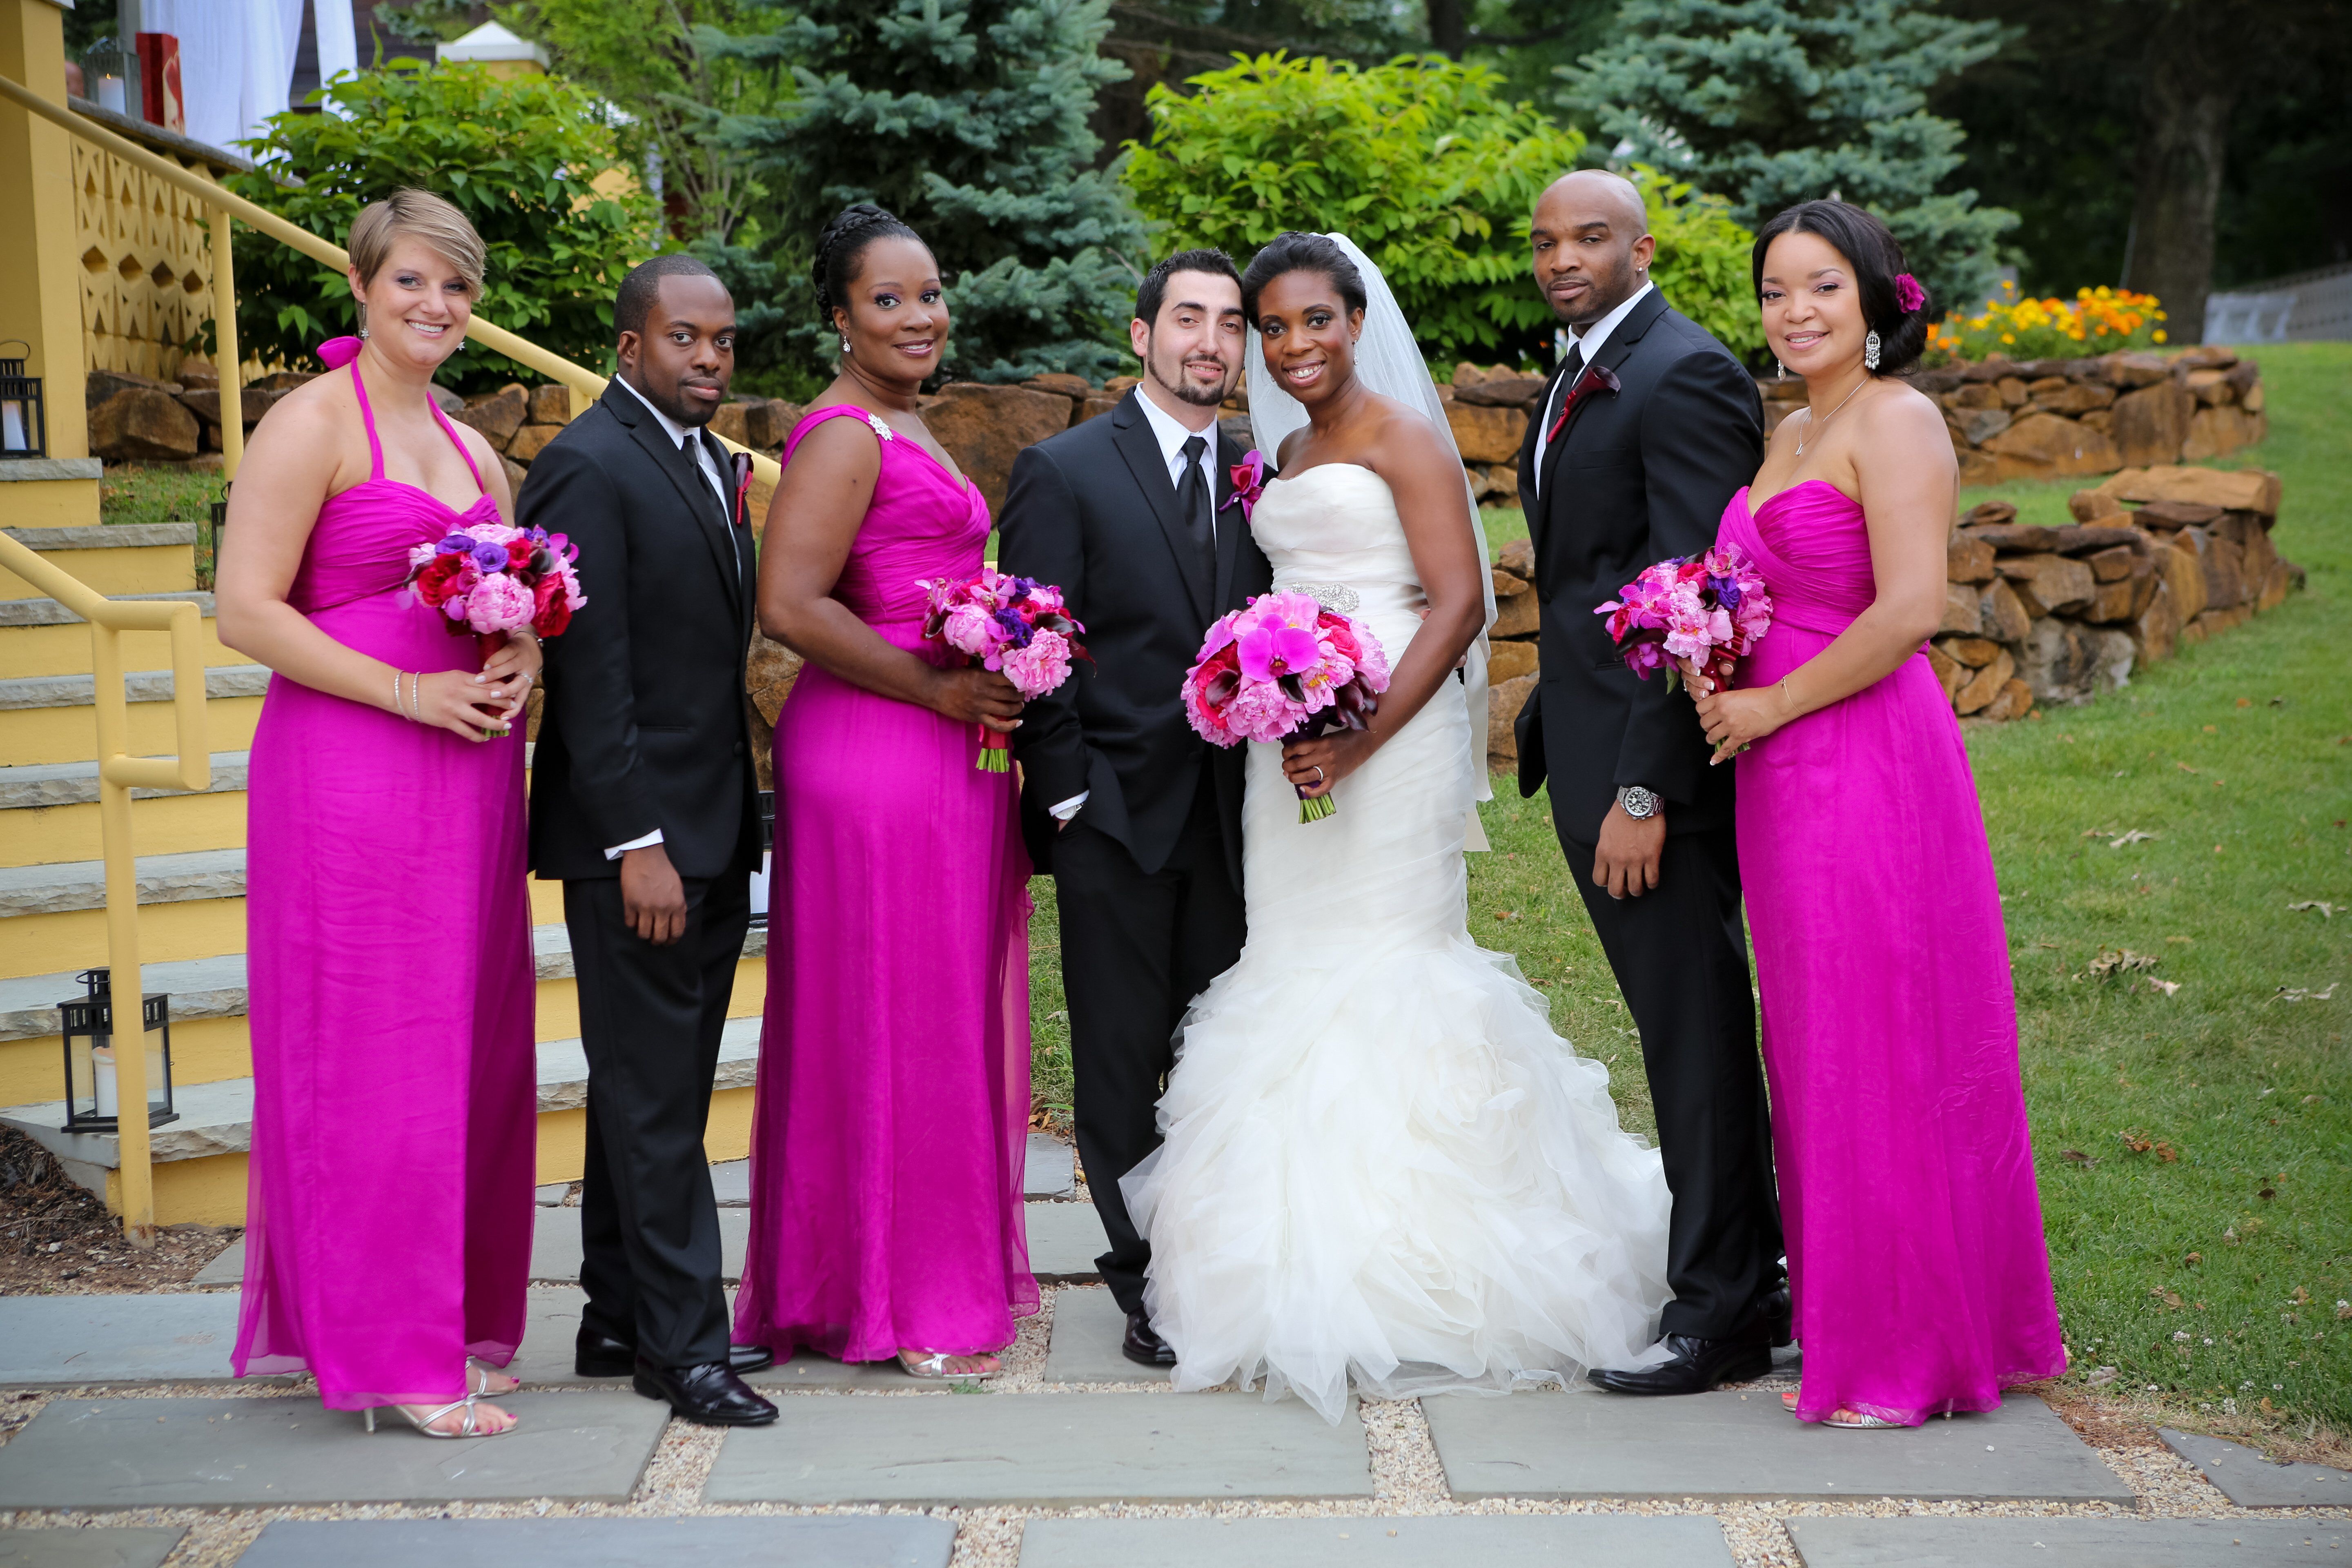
(1184, 390)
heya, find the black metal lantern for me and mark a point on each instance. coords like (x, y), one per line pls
(767, 859)
(91, 1105)
(23, 428)
(220, 521)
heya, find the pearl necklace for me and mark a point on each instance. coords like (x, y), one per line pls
(1831, 415)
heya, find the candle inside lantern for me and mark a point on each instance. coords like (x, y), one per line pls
(102, 1070)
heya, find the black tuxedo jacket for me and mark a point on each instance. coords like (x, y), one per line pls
(1637, 475)
(644, 726)
(1093, 510)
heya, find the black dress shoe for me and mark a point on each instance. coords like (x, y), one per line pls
(1697, 1365)
(1144, 1346)
(1779, 1315)
(601, 1356)
(709, 1394)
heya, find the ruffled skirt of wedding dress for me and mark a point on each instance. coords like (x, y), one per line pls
(1380, 1163)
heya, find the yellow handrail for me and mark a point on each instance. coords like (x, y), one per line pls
(120, 773)
(586, 384)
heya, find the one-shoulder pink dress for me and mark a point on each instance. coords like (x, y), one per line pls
(1916, 1254)
(893, 1101)
(388, 939)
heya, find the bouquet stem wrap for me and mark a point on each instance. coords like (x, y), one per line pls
(1284, 668)
(1017, 626)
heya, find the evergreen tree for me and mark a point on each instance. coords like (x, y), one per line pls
(968, 119)
(1776, 101)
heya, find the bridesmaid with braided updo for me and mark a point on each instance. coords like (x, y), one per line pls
(894, 1063)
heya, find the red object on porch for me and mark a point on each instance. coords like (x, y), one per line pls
(159, 82)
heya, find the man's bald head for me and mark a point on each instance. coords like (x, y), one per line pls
(1592, 244)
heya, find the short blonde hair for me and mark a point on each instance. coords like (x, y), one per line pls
(418, 215)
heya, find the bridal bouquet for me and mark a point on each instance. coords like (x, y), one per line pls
(487, 579)
(1017, 626)
(1710, 610)
(1285, 667)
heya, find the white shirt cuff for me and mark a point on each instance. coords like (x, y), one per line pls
(1068, 809)
(617, 850)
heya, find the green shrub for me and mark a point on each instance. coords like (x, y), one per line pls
(1419, 162)
(1702, 266)
(521, 158)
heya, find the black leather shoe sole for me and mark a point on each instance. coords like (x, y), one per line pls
(1143, 1347)
(741, 1359)
(1686, 1376)
(760, 1415)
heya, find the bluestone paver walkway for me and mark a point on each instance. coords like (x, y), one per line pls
(1087, 1330)
(546, 1357)
(61, 1341)
(886, 1541)
(1920, 1541)
(103, 1546)
(214, 1453)
(1618, 1541)
(2249, 1481)
(1043, 1450)
(1586, 1444)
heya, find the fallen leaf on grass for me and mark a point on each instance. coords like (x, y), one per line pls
(2135, 837)
(2168, 1297)
(2076, 1157)
(2153, 983)
(2101, 1377)
(2139, 1143)
(2118, 960)
(2302, 993)
(2326, 912)
(2185, 768)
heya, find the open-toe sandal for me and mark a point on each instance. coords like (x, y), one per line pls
(933, 1366)
(478, 1373)
(470, 1427)
(1847, 1420)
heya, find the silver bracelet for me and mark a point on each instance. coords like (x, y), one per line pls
(416, 695)
(395, 696)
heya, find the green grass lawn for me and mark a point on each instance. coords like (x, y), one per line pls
(133, 493)
(2193, 1146)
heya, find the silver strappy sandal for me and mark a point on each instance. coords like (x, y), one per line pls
(471, 1427)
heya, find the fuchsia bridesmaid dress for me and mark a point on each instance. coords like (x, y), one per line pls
(1915, 1253)
(893, 1101)
(388, 939)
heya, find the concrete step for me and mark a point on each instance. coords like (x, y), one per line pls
(114, 559)
(210, 1037)
(191, 905)
(199, 1159)
(49, 812)
(41, 636)
(51, 718)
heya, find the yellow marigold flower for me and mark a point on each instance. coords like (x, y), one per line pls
(2159, 334)
(2010, 338)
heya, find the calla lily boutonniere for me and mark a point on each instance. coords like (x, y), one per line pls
(1249, 483)
(1596, 378)
(742, 463)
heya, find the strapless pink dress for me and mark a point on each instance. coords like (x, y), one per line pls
(388, 939)
(888, 1143)
(1915, 1253)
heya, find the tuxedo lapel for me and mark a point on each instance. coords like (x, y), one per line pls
(1613, 353)
(1539, 472)
(1131, 434)
(1231, 525)
(701, 505)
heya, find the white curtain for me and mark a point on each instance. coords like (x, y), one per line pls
(237, 58)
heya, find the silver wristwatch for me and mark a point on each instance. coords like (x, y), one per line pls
(1640, 803)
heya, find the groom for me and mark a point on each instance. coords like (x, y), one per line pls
(644, 805)
(1647, 430)
(1139, 819)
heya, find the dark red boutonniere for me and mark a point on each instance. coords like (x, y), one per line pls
(1596, 378)
(741, 462)
(1249, 483)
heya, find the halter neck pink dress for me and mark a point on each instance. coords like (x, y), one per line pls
(389, 966)
(1916, 1254)
(893, 1101)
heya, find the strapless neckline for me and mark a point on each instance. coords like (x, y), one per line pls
(1748, 492)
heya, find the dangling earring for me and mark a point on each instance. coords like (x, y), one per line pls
(844, 345)
(362, 334)
(1870, 351)
(1781, 368)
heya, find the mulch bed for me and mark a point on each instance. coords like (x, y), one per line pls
(56, 1239)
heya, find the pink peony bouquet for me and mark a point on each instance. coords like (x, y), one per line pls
(487, 579)
(1709, 610)
(1017, 626)
(1285, 667)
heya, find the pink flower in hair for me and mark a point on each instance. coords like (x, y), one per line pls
(1908, 292)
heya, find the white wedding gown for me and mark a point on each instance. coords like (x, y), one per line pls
(1381, 1163)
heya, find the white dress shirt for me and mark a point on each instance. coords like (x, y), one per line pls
(1591, 340)
(1172, 435)
(677, 434)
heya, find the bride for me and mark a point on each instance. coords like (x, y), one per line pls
(1380, 1164)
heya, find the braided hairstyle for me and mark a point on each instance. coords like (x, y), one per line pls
(1876, 257)
(839, 245)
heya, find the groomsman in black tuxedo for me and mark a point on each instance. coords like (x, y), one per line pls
(1646, 431)
(1138, 818)
(645, 805)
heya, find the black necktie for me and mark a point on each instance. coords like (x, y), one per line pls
(1192, 500)
(1570, 368)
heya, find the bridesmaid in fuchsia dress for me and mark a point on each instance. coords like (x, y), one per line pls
(388, 1218)
(1920, 1278)
(893, 1099)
